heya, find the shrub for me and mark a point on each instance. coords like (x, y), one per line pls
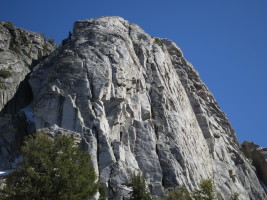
(2, 85)
(206, 191)
(13, 46)
(8, 25)
(158, 42)
(234, 196)
(180, 193)
(52, 169)
(51, 39)
(4, 73)
(140, 190)
(15, 49)
(24, 40)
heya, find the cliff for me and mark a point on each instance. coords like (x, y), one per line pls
(258, 156)
(19, 51)
(138, 105)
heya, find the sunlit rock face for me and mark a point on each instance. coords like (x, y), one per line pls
(139, 106)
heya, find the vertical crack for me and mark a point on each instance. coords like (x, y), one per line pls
(60, 110)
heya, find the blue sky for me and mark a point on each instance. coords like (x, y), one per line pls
(225, 40)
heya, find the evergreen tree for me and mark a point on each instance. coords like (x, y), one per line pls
(52, 169)
(103, 191)
(140, 191)
(180, 193)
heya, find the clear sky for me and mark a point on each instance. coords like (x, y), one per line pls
(225, 40)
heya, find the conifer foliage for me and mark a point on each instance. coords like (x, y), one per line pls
(140, 190)
(180, 193)
(103, 191)
(206, 191)
(52, 169)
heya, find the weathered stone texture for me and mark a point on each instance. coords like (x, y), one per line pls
(258, 156)
(18, 50)
(139, 106)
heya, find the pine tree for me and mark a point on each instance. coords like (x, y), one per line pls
(103, 191)
(52, 169)
(140, 191)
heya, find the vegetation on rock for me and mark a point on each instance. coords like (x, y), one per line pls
(140, 190)
(8, 25)
(4, 73)
(103, 191)
(14, 46)
(180, 193)
(234, 196)
(158, 42)
(2, 85)
(52, 169)
(206, 192)
(253, 152)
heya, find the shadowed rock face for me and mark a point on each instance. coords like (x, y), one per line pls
(19, 49)
(258, 155)
(139, 106)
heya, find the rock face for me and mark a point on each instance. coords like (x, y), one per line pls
(139, 106)
(19, 49)
(258, 155)
(131, 101)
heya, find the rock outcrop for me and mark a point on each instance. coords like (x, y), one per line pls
(19, 51)
(258, 156)
(139, 106)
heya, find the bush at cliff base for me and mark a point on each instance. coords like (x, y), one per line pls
(52, 169)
